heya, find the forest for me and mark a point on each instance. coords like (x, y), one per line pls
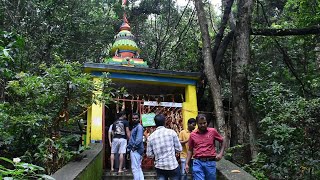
(259, 60)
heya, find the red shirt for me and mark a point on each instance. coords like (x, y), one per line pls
(203, 143)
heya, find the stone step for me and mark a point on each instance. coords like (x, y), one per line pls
(148, 175)
(128, 176)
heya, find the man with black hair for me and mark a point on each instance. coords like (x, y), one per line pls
(136, 147)
(202, 147)
(184, 138)
(162, 145)
(121, 134)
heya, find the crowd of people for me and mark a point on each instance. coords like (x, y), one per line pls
(195, 146)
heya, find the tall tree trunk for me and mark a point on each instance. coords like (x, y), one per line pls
(209, 69)
(243, 129)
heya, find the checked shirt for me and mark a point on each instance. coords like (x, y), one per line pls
(163, 144)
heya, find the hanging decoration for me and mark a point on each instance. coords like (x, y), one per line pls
(152, 105)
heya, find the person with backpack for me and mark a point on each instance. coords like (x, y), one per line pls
(121, 135)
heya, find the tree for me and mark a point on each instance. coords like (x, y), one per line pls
(165, 33)
(243, 131)
(208, 67)
(284, 88)
(74, 30)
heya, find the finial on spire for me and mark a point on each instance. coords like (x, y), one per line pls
(124, 3)
(125, 20)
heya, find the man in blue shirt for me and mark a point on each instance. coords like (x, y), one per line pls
(136, 147)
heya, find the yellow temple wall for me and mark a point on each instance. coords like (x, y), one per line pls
(88, 133)
(94, 122)
(190, 108)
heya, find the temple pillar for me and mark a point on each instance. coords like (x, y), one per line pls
(190, 108)
(95, 119)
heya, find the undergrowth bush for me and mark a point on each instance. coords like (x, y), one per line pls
(15, 169)
(289, 136)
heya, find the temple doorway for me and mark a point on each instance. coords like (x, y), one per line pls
(147, 106)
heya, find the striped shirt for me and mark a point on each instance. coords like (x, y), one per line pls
(163, 144)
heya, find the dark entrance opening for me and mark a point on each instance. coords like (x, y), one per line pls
(134, 102)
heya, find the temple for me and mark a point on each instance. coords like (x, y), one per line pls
(148, 91)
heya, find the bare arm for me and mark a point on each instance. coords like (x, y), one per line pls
(146, 133)
(223, 147)
(110, 137)
(181, 138)
(184, 142)
(128, 133)
(189, 155)
(149, 150)
(177, 144)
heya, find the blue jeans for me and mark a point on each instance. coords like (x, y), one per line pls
(136, 159)
(165, 174)
(203, 170)
(184, 175)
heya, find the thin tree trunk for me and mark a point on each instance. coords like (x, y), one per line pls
(2, 89)
(317, 50)
(243, 129)
(209, 69)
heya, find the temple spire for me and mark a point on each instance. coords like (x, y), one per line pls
(124, 50)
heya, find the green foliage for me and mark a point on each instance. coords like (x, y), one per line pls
(10, 45)
(231, 150)
(53, 154)
(289, 135)
(84, 30)
(20, 170)
(40, 106)
(74, 29)
(256, 167)
(287, 14)
(304, 12)
(7, 50)
(40, 93)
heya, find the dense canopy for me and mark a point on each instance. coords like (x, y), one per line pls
(260, 63)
